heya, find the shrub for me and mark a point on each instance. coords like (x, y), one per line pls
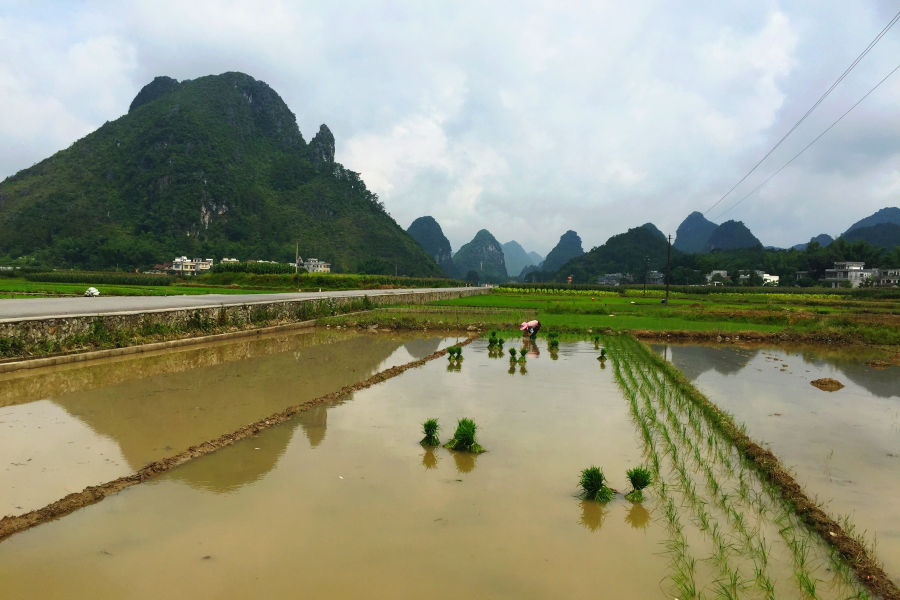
(464, 437)
(593, 485)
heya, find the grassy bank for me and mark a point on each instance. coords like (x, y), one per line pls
(74, 283)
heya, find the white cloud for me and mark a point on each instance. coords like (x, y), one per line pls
(528, 118)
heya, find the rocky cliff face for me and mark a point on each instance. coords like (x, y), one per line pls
(430, 236)
(693, 234)
(321, 148)
(569, 247)
(484, 255)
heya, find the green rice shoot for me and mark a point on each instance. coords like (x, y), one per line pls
(464, 438)
(430, 428)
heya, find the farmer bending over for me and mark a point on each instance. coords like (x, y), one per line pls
(531, 328)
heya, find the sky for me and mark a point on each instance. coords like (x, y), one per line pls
(526, 118)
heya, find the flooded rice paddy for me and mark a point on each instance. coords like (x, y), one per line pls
(342, 501)
(63, 429)
(844, 446)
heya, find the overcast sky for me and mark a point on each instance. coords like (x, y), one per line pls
(527, 118)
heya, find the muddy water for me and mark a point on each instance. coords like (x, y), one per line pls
(352, 506)
(844, 446)
(64, 429)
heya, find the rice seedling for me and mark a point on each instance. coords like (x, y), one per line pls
(430, 428)
(807, 583)
(512, 354)
(464, 437)
(553, 344)
(602, 356)
(639, 477)
(593, 485)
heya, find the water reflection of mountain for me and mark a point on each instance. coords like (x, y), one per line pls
(26, 386)
(422, 347)
(880, 383)
(694, 361)
(236, 466)
(156, 416)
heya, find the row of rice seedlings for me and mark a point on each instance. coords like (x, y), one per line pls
(737, 518)
(805, 581)
(683, 565)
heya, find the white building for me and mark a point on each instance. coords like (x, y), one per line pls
(188, 267)
(888, 277)
(853, 272)
(770, 279)
(313, 265)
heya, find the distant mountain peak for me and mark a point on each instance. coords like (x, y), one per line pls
(693, 234)
(159, 87)
(890, 214)
(653, 228)
(730, 235)
(484, 255)
(427, 231)
(568, 247)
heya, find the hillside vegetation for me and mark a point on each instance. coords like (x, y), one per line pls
(212, 167)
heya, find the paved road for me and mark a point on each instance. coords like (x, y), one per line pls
(37, 308)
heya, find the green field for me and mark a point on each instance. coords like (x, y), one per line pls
(817, 317)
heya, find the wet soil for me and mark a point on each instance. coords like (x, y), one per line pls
(352, 506)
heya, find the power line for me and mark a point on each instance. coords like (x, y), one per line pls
(811, 143)
(814, 106)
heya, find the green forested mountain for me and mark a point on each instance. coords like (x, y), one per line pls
(568, 247)
(884, 235)
(484, 255)
(693, 234)
(430, 236)
(731, 235)
(212, 167)
(890, 214)
(624, 253)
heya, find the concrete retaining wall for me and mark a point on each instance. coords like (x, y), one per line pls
(58, 329)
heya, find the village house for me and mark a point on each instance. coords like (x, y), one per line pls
(189, 267)
(313, 265)
(853, 272)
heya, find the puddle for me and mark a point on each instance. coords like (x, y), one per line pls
(66, 428)
(843, 446)
(343, 502)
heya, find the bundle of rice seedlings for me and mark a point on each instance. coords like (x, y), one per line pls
(430, 428)
(493, 340)
(639, 477)
(553, 344)
(602, 356)
(512, 355)
(593, 485)
(454, 353)
(464, 437)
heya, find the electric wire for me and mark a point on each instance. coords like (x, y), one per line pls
(811, 143)
(814, 106)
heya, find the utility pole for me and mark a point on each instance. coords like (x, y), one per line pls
(646, 269)
(668, 268)
(297, 260)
